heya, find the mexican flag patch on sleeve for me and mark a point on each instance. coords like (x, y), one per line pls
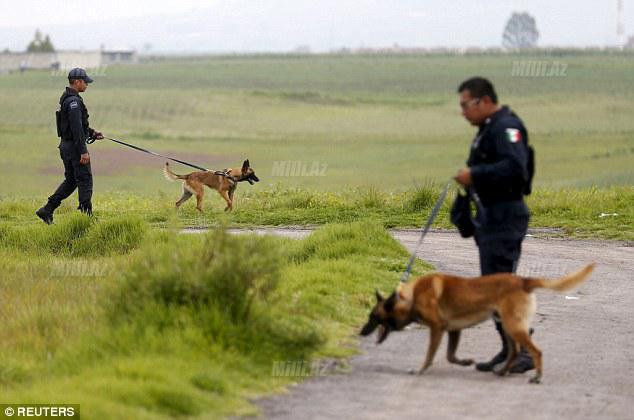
(513, 134)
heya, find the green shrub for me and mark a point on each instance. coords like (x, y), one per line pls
(341, 240)
(223, 271)
(422, 197)
(219, 284)
(111, 237)
(371, 198)
(76, 235)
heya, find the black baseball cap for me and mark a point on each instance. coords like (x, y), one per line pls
(78, 73)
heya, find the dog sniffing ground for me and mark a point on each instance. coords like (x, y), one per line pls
(586, 338)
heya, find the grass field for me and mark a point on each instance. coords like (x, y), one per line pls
(384, 121)
(138, 323)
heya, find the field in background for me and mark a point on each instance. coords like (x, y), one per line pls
(382, 121)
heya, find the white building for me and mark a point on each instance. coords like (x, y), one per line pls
(66, 60)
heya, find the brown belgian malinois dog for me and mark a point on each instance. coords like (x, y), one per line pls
(449, 303)
(225, 182)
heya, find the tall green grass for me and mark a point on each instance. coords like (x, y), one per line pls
(221, 271)
(580, 212)
(77, 235)
(187, 325)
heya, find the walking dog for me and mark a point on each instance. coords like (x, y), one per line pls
(449, 303)
(225, 182)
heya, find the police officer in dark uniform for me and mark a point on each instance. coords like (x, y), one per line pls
(499, 172)
(73, 129)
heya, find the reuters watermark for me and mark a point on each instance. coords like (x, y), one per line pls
(11, 411)
(299, 368)
(539, 68)
(287, 168)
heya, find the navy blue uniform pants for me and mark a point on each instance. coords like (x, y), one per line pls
(499, 256)
(499, 236)
(76, 176)
(500, 252)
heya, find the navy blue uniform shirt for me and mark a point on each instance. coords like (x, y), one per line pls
(75, 114)
(499, 158)
(499, 172)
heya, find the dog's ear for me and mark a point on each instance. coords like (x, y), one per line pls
(245, 165)
(390, 302)
(379, 298)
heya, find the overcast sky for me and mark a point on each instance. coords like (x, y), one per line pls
(282, 25)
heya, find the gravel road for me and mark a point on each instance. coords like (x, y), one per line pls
(587, 338)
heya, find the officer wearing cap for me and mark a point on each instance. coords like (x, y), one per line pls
(73, 129)
(499, 173)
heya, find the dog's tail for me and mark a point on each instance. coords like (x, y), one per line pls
(559, 285)
(171, 175)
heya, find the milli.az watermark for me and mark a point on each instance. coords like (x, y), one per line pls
(299, 168)
(539, 68)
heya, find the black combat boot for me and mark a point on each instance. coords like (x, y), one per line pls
(45, 214)
(524, 361)
(498, 358)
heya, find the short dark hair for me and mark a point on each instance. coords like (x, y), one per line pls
(479, 87)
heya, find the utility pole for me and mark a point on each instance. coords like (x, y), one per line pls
(620, 28)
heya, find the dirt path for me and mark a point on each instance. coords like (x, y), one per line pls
(587, 338)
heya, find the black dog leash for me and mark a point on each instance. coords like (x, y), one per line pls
(90, 141)
(432, 216)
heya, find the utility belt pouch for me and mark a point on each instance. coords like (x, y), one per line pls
(58, 121)
(460, 215)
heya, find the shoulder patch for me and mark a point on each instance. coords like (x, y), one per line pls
(74, 105)
(513, 134)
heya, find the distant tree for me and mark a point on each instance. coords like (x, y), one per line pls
(47, 45)
(520, 31)
(40, 44)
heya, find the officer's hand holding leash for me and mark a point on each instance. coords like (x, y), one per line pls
(464, 177)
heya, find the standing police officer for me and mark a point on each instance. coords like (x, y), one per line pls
(73, 129)
(499, 171)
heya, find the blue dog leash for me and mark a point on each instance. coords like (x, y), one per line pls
(430, 220)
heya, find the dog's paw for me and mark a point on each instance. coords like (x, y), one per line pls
(464, 362)
(413, 371)
(535, 379)
(422, 371)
